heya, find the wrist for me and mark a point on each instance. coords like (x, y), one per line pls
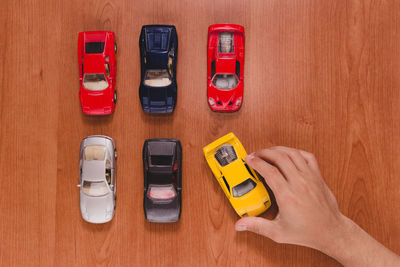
(338, 238)
(352, 246)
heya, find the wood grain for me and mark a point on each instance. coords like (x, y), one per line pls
(319, 75)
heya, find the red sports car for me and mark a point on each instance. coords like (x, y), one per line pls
(96, 56)
(225, 60)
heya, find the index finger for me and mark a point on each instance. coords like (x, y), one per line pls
(270, 173)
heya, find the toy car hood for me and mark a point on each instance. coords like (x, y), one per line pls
(97, 209)
(258, 205)
(227, 97)
(96, 102)
(157, 98)
(162, 211)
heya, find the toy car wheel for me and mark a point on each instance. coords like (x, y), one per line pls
(115, 48)
(115, 97)
(115, 154)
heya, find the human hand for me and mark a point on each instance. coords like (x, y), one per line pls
(308, 211)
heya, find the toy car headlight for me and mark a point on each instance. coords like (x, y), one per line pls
(211, 101)
(238, 101)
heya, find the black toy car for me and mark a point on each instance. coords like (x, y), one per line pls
(158, 57)
(162, 166)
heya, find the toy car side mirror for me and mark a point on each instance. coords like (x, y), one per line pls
(78, 185)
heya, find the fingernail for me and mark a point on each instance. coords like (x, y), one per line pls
(250, 156)
(241, 227)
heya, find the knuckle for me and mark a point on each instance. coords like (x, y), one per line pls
(295, 153)
(276, 147)
(280, 154)
(256, 163)
(311, 156)
(262, 151)
(273, 171)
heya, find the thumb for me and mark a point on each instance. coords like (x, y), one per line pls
(256, 225)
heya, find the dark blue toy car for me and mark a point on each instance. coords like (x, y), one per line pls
(158, 57)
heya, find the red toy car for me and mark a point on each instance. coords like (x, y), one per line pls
(96, 56)
(225, 60)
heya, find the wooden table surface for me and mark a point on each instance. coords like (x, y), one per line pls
(319, 75)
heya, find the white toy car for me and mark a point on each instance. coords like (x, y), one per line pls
(97, 178)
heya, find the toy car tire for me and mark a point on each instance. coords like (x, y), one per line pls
(115, 47)
(115, 97)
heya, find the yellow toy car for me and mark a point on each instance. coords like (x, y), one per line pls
(245, 191)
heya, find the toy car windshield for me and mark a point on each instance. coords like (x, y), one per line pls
(225, 81)
(95, 81)
(158, 192)
(225, 155)
(243, 188)
(225, 42)
(157, 78)
(95, 188)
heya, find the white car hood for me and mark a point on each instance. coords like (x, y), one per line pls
(97, 209)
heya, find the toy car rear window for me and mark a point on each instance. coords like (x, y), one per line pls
(94, 47)
(225, 42)
(225, 155)
(161, 160)
(243, 188)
